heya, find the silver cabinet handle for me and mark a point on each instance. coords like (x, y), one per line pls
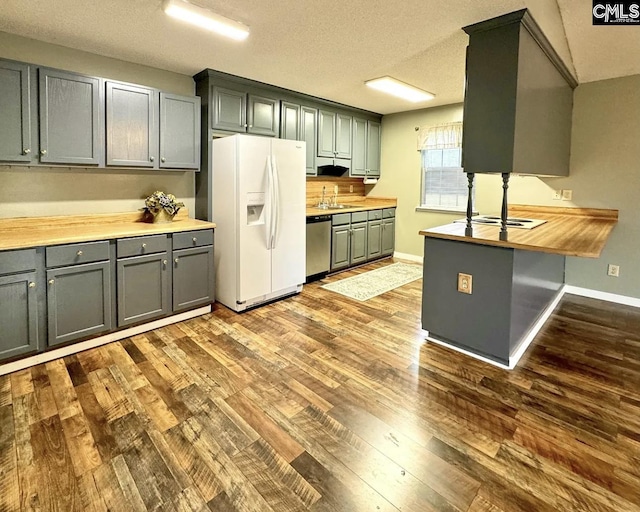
(151, 158)
(79, 253)
(195, 239)
(163, 159)
(245, 125)
(43, 151)
(176, 260)
(51, 281)
(26, 151)
(164, 262)
(32, 284)
(144, 245)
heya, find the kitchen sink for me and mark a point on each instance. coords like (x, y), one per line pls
(334, 206)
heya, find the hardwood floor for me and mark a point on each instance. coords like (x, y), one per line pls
(322, 403)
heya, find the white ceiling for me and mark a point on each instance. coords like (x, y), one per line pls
(326, 48)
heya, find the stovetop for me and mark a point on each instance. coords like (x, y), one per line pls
(512, 222)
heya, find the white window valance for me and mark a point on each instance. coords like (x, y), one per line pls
(442, 136)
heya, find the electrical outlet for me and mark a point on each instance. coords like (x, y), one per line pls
(567, 195)
(465, 283)
(613, 270)
(350, 188)
(556, 194)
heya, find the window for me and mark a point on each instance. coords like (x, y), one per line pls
(444, 183)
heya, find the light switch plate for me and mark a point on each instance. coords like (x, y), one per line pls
(465, 283)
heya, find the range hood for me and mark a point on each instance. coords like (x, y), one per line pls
(518, 100)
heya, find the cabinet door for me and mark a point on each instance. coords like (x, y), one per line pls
(343, 136)
(229, 110)
(290, 121)
(326, 133)
(69, 118)
(374, 239)
(388, 236)
(263, 116)
(132, 131)
(308, 133)
(340, 246)
(15, 106)
(179, 131)
(358, 243)
(18, 315)
(193, 277)
(143, 288)
(373, 149)
(78, 301)
(359, 149)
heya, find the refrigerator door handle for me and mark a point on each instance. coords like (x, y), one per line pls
(276, 194)
(269, 228)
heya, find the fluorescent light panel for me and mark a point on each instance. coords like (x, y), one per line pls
(399, 89)
(206, 19)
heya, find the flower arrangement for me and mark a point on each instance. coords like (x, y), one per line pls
(162, 205)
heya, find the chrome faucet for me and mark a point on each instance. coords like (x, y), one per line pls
(322, 199)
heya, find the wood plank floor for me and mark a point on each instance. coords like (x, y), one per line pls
(322, 403)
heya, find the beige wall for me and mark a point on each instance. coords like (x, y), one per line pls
(605, 173)
(63, 191)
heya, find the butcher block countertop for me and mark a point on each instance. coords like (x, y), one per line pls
(359, 204)
(569, 231)
(22, 232)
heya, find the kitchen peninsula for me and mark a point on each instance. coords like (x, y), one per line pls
(501, 291)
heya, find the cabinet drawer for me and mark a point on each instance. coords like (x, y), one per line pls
(340, 218)
(73, 254)
(192, 239)
(375, 214)
(388, 213)
(141, 245)
(17, 261)
(359, 217)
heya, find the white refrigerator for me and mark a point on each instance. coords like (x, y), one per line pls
(259, 209)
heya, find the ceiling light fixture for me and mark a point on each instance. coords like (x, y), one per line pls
(399, 89)
(206, 19)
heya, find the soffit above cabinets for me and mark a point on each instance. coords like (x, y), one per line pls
(326, 48)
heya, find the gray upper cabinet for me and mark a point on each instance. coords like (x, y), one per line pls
(326, 133)
(229, 110)
(131, 126)
(308, 133)
(193, 277)
(179, 131)
(18, 315)
(263, 115)
(15, 106)
(343, 136)
(289, 121)
(374, 133)
(359, 149)
(78, 301)
(69, 118)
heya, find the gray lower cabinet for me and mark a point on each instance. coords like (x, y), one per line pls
(18, 314)
(358, 243)
(78, 301)
(193, 277)
(70, 131)
(15, 105)
(340, 246)
(388, 236)
(131, 125)
(374, 239)
(143, 288)
(179, 131)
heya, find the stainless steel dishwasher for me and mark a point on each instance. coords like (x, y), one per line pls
(318, 246)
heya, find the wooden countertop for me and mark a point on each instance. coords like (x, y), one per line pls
(359, 204)
(569, 231)
(22, 232)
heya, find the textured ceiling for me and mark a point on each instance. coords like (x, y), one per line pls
(326, 48)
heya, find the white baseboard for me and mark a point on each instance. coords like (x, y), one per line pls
(524, 343)
(408, 257)
(45, 357)
(606, 296)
